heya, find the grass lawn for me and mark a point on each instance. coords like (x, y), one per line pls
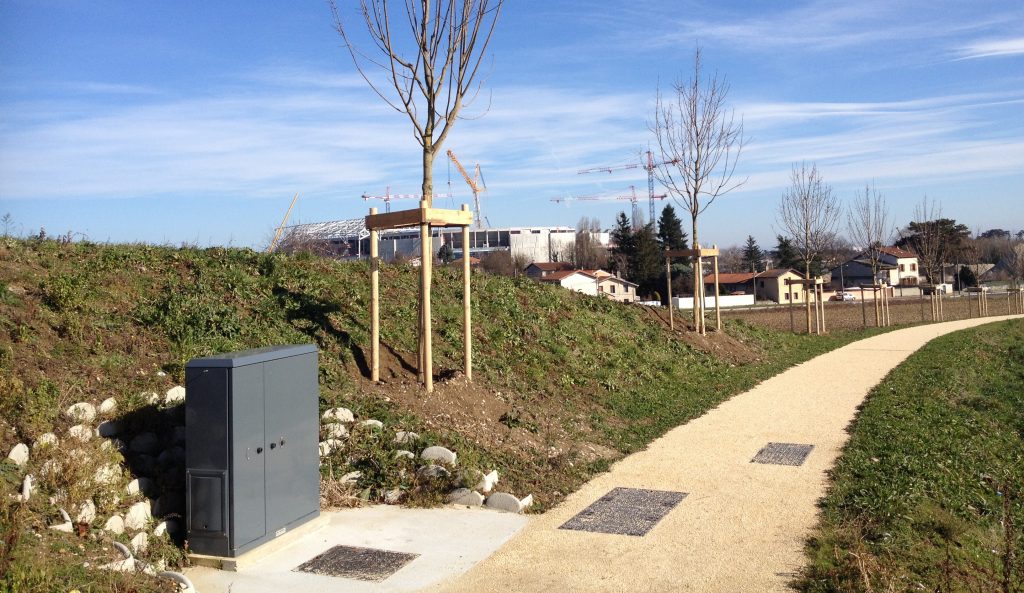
(929, 492)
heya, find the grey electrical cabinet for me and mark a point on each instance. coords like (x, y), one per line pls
(251, 458)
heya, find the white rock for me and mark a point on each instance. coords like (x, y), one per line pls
(108, 428)
(429, 472)
(526, 502)
(393, 496)
(86, 513)
(27, 488)
(107, 474)
(175, 395)
(438, 454)
(51, 468)
(503, 501)
(126, 565)
(45, 440)
(138, 485)
(145, 442)
(338, 415)
(335, 444)
(160, 529)
(66, 527)
(138, 515)
(406, 454)
(487, 482)
(466, 496)
(81, 412)
(81, 432)
(351, 477)
(19, 454)
(114, 525)
(150, 397)
(108, 406)
(140, 542)
(64, 515)
(325, 449)
(404, 437)
(161, 374)
(371, 423)
(337, 431)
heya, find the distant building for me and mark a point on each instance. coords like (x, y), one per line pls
(351, 240)
(769, 285)
(896, 267)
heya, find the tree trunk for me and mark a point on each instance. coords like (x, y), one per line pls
(807, 295)
(698, 302)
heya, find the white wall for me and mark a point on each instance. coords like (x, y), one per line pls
(739, 300)
(580, 283)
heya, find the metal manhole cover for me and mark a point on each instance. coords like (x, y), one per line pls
(783, 454)
(625, 511)
(364, 564)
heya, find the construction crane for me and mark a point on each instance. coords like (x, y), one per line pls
(280, 229)
(477, 184)
(388, 196)
(632, 197)
(648, 166)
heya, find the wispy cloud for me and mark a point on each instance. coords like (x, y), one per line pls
(992, 48)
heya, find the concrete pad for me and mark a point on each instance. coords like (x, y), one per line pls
(448, 540)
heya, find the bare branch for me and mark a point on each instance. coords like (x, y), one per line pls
(867, 221)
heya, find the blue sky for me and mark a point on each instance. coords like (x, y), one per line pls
(197, 121)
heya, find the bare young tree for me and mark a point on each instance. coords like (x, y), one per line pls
(808, 214)
(699, 141)
(586, 252)
(429, 73)
(868, 223)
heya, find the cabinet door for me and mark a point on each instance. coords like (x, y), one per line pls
(293, 475)
(248, 455)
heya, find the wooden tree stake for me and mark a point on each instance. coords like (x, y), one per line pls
(467, 311)
(374, 304)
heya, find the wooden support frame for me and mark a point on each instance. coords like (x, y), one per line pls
(935, 300)
(817, 288)
(425, 217)
(880, 294)
(698, 253)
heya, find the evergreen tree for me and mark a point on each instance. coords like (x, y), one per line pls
(752, 255)
(446, 254)
(623, 245)
(647, 261)
(786, 255)
(670, 230)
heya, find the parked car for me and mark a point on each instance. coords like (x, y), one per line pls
(843, 296)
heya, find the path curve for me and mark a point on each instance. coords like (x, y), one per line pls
(743, 525)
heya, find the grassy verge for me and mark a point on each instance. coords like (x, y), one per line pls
(929, 493)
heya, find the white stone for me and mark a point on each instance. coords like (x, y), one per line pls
(86, 513)
(393, 496)
(19, 454)
(175, 395)
(81, 432)
(27, 488)
(138, 515)
(140, 485)
(339, 415)
(161, 374)
(487, 482)
(406, 454)
(107, 474)
(325, 449)
(351, 477)
(52, 467)
(108, 406)
(150, 398)
(160, 529)
(140, 542)
(404, 437)
(81, 412)
(371, 423)
(66, 527)
(108, 428)
(438, 454)
(45, 440)
(466, 496)
(429, 472)
(64, 515)
(114, 525)
(126, 565)
(335, 444)
(504, 501)
(145, 442)
(526, 502)
(337, 431)
(179, 434)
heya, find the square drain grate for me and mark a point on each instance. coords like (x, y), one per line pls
(364, 564)
(783, 454)
(625, 511)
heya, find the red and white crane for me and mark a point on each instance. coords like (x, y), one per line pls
(632, 198)
(388, 196)
(648, 165)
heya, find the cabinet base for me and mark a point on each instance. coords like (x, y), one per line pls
(242, 561)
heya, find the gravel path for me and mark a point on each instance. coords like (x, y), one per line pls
(742, 525)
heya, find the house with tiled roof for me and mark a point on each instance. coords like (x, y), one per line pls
(539, 270)
(896, 267)
(594, 282)
(769, 285)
